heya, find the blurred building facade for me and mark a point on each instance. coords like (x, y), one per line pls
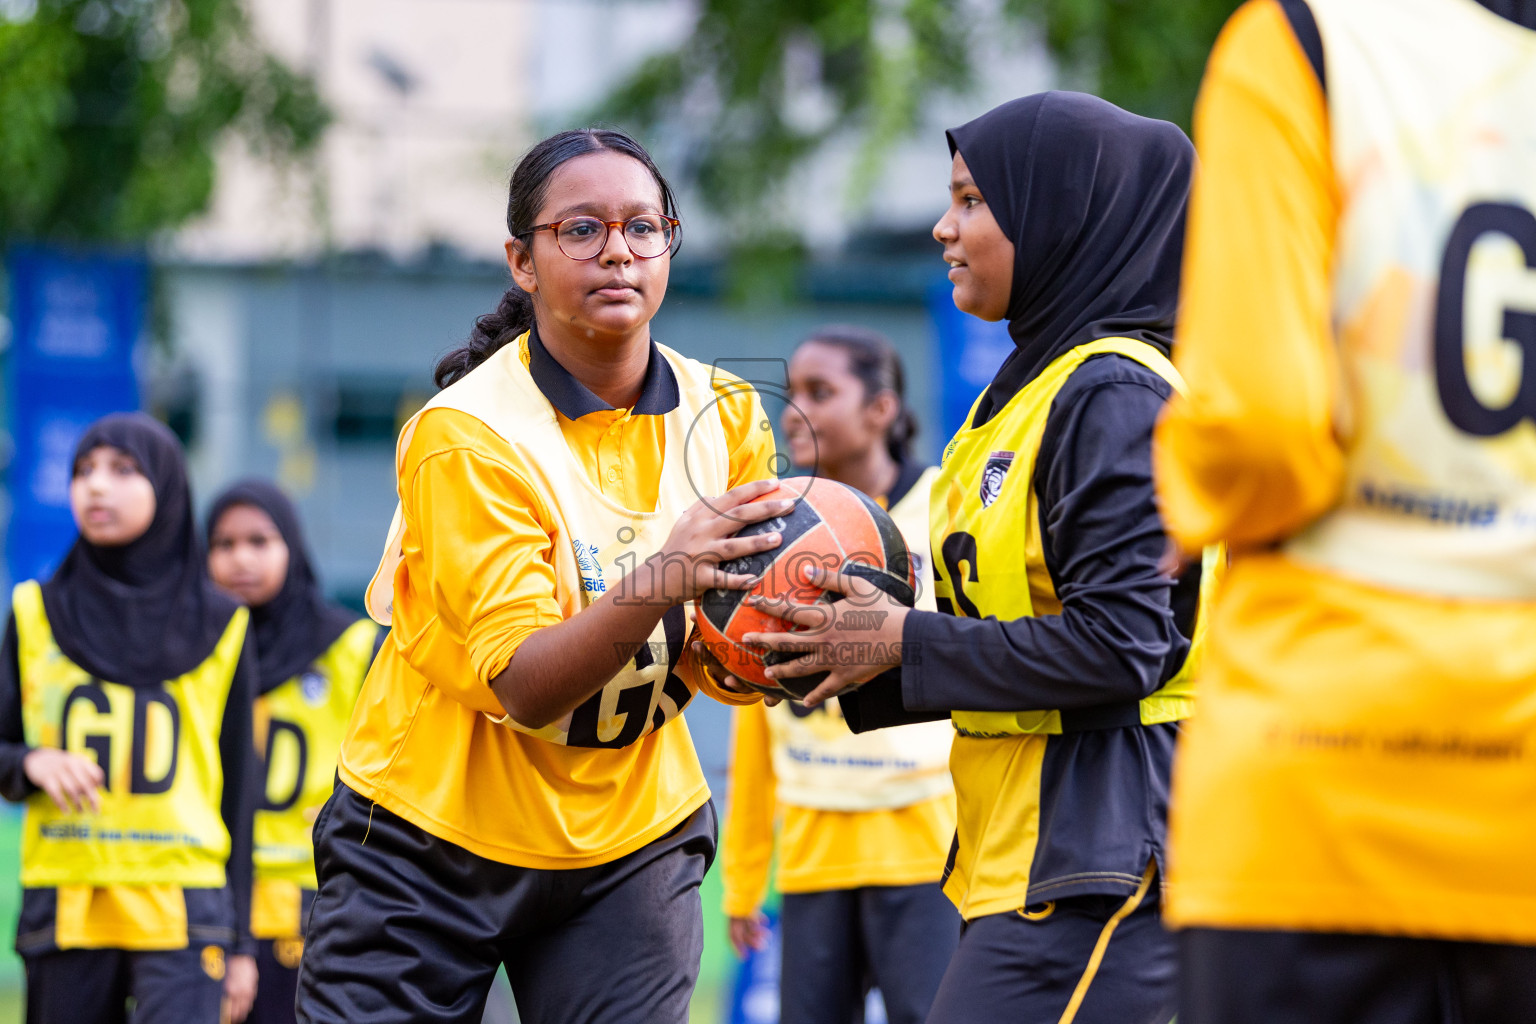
(307, 308)
(435, 100)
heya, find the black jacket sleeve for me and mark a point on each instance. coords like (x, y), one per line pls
(14, 784)
(242, 779)
(878, 705)
(1116, 639)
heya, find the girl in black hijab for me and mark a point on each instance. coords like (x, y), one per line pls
(1060, 649)
(126, 683)
(295, 624)
(313, 656)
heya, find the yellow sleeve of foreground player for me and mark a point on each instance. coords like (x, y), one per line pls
(1251, 455)
(746, 844)
(486, 581)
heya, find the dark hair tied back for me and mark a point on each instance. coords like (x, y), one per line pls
(525, 197)
(874, 360)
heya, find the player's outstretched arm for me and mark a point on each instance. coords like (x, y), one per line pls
(559, 666)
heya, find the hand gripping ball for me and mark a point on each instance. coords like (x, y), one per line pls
(832, 526)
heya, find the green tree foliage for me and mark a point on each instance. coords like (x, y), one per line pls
(112, 111)
(871, 65)
(1145, 55)
(759, 86)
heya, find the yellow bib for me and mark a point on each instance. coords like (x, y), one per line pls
(160, 818)
(911, 517)
(299, 728)
(1434, 299)
(599, 541)
(988, 555)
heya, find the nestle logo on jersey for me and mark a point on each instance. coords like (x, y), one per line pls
(591, 569)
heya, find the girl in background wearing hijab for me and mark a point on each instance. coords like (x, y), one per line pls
(312, 657)
(864, 821)
(126, 683)
(1061, 651)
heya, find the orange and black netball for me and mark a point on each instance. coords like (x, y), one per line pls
(831, 526)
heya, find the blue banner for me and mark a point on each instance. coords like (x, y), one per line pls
(969, 352)
(76, 321)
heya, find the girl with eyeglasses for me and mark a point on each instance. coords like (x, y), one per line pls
(517, 786)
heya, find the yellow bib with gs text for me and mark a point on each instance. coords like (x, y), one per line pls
(160, 820)
(599, 541)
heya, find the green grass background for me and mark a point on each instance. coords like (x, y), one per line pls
(10, 904)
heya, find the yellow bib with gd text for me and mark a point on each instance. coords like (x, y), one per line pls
(299, 728)
(1434, 299)
(160, 819)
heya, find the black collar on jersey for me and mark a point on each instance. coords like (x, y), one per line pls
(658, 391)
(145, 612)
(1093, 199)
(299, 624)
(906, 475)
(1304, 28)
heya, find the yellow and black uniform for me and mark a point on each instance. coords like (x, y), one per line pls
(1367, 725)
(299, 727)
(864, 823)
(312, 657)
(523, 498)
(129, 657)
(1061, 652)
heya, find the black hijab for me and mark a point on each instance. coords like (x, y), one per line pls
(1092, 198)
(145, 612)
(296, 626)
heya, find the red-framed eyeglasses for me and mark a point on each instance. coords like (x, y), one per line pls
(648, 235)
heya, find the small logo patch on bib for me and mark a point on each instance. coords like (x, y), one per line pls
(998, 464)
(591, 569)
(288, 952)
(314, 688)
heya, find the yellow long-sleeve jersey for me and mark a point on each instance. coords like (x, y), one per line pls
(1365, 753)
(523, 498)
